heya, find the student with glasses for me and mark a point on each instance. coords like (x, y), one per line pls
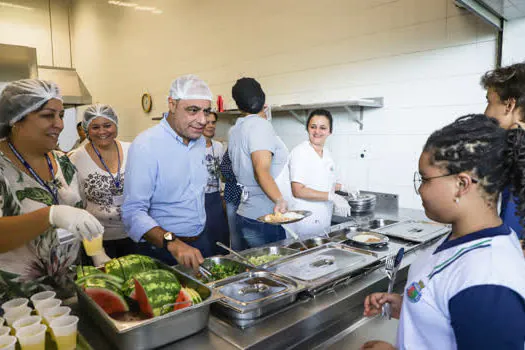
(468, 290)
(166, 176)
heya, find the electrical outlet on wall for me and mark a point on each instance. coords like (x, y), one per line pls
(363, 154)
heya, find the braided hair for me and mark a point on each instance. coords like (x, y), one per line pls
(477, 144)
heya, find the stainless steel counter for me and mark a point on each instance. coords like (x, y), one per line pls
(329, 319)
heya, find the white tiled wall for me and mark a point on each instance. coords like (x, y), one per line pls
(425, 57)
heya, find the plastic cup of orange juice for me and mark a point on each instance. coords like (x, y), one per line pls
(26, 322)
(47, 304)
(15, 304)
(32, 337)
(16, 314)
(93, 247)
(57, 312)
(7, 342)
(42, 296)
(65, 332)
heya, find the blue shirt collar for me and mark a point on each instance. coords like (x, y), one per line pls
(164, 123)
(501, 230)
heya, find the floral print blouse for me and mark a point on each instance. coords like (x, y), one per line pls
(42, 263)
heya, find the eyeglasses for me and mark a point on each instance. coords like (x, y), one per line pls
(419, 180)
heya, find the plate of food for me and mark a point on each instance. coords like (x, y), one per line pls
(284, 218)
(368, 238)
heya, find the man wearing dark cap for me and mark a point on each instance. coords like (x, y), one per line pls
(258, 157)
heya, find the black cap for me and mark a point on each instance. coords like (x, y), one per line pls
(248, 95)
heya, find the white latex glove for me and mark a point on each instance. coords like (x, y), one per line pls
(281, 206)
(341, 206)
(77, 221)
(100, 259)
(352, 191)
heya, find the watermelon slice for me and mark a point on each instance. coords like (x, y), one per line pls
(154, 289)
(127, 266)
(109, 300)
(183, 300)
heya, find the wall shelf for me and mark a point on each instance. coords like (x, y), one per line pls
(300, 111)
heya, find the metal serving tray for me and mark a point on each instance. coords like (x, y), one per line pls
(130, 332)
(321, 266)
(270, 250)
(209, 262)
(415, 231)
(254, 294)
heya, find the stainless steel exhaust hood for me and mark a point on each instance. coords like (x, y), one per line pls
(73, 90)
(20, 62)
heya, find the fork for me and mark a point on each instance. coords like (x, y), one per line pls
(389, 269)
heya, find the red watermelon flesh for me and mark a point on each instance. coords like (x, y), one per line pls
(141, 297)
(183, 300)
(110, 301)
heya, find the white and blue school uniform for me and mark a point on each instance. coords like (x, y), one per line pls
(468, 293)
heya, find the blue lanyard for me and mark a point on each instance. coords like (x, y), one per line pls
(53, 191)
(117, 180)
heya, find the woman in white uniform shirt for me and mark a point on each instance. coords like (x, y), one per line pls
(314, 181)
(101, 163)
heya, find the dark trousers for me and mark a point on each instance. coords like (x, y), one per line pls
(255, 234)
(216, 229)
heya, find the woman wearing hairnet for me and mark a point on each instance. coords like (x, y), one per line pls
(100, 164)
(41, 223)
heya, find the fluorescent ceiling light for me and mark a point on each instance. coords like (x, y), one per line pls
(122, 3)
(15, 6)
(137, 7)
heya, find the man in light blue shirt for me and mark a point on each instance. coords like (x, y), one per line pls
(165, 179)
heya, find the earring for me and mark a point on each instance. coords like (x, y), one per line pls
(456, 200)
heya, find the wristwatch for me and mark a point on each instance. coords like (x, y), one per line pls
(168, 237)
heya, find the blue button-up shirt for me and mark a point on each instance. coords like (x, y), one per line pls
(165, 181)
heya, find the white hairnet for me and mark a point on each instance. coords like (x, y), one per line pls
(99, 110)
(22, 97)
(190, 87)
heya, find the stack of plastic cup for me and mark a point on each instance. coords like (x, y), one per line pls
(54, 313)
(42, 296)
(32, 337)
(26, 322)
(46, 305)
(7, 342)
(64, 330)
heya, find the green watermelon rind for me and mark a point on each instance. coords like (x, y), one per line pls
(105, 276)
(83, 271)
(160, 286)
(101, 283)
(127, 266)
